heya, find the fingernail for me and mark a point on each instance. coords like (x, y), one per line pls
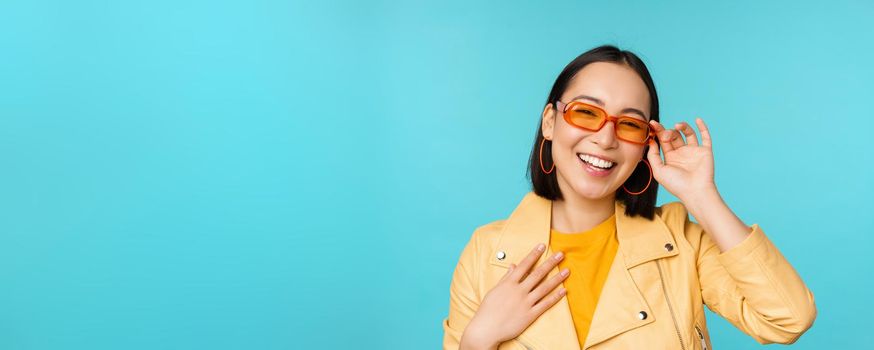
(558, 256)
(541, 247)
(565, 272)
(562, 291)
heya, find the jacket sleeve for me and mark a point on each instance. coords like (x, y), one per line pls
(752, 286)
(463, 296)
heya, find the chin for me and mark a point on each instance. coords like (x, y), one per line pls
(589, 190)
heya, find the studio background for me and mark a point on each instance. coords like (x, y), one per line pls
(290, 175)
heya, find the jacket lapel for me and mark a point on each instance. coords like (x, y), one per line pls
(527, 226)
(621, 303)
(640, 240)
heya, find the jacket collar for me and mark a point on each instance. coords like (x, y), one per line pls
(640, 240)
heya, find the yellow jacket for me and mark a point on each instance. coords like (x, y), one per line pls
(666, 269)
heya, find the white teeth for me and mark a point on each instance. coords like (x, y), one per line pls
(596, 161)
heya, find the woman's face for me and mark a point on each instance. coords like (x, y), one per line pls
(618, 90)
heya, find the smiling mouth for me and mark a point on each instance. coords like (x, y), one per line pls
(596, 162)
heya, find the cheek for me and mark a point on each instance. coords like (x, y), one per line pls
(632, 156)
(562, 152)
(632, 153)
(565, 138)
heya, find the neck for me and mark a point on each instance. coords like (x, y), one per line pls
(577, 214)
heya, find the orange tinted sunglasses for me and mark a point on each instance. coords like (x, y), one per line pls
(593, 118)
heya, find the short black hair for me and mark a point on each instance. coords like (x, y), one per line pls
(546, 185)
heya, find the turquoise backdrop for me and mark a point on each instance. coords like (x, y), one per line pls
(291, 175)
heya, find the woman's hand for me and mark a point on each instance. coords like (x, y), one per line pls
(515, 302)
(687, 172)
(688, 166)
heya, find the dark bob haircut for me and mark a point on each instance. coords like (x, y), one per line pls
(546, 185)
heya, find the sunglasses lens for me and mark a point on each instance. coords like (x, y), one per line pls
(586, 117)
(630, 129)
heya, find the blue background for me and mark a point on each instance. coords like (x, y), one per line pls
(274, 175)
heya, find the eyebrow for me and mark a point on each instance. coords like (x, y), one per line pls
(601, 103)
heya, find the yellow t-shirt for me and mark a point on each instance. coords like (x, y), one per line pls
(588, 256)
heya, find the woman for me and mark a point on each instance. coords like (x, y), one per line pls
(619, 272)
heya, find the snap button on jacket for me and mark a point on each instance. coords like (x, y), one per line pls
(665, 271)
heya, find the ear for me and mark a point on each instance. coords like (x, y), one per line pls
(547, 123)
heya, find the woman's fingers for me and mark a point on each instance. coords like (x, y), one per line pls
(652, 155)
(670, 139)
(541, 271)
(706, 141)
(663, 136)
(526, 263)
(508, 273)
(658, 130)
(548, 301)
(548, 285)
(675, 138)
(687, 130)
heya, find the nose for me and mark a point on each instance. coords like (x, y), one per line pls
(606, 137)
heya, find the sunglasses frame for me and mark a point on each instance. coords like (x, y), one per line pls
(650, 133)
